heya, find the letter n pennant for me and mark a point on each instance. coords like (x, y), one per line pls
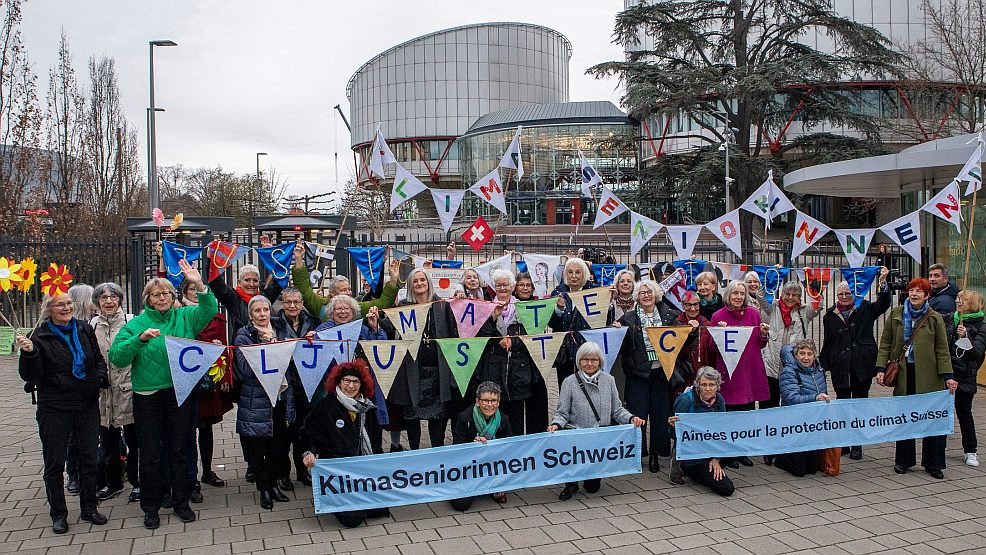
(544, 349)
(462, 355)
(667, 342)
(385, 357)
(731, 342)
(312, 360)
(189, 361)
(269, 362)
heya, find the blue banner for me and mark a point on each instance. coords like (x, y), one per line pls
(453, 264)
(278, 259)
(605, 274)
(369, 261)
(692, 269)
(470, 469)
(811, 426)
(171, 253)
(771, 279)
(859, 280)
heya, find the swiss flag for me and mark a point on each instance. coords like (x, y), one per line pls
(478, 234)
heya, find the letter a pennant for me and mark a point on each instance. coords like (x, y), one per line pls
(731, 342)
(490, 189)
(312, 359)
(470, 315)
(385, 357)
(269, 362)
(667, 342)
(807, 232)
(610, 206)
(945, 205)
(462, 355)
(189, 361)
(642, 229)
(610, 339)
(544, 349)
(593, 305)
(405, 187)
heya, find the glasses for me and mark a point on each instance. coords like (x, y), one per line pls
(502, 286)
(350, 381)
(596, 360)
(708, 385)
(108, 298)
(65, 304)
(646, 293)
(291, 303)
(691, 305)
(843, 294)
(489, 401)
(160, 294)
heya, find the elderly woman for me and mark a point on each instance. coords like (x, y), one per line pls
(623, 295)
(754, 288)
(915, 335)
(801, 381)
(702, 397)
(116, 410)
(699, 349)
(342, 425)
(647, 391)
(318, 305)
(524, 290)
(140, 345)
(707, 286)
(967, 345)
(62, 357)
(254, 411)
(235, 299)
(481, 422)
(472, 284)
(84, 303)
(788, 318)
(747, 383)
(583, 395)
(566, 317)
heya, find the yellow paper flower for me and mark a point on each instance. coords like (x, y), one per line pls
(9, 275)
(176, 222)
(29, 269)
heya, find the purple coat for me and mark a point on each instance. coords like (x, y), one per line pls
(748, 382)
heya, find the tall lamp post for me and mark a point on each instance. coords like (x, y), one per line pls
(152, 189)
(729, 135)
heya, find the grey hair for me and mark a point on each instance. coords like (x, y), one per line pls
(410, 288)
(291, 290)
(500, 273)
(488, 387)
(733, 285)
(708, 373)
(247, 269)
(82, 297)
(107, 287)
(581, 264)
(334, 282)
(46, 307)
(482, 284)
(256, 299)
(792, 286)
(806, 343)
(843, 285)
(145, 296)
(343, 299)
(752, 273)
(654, 287)
(939, 266)
(589, 348)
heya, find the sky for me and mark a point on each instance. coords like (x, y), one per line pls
(250, 76)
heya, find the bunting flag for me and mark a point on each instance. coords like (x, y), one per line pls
(730, 272)
(462, 355)
(189, 361)
(648, 270)
(447, 203)
(590, 176)
(906, 232)
(534, 315)
(945, 205)
(478, 234)
(768, 201)
(674, 288)
(727, 229)
(667, 343)
(222, 255)
(610, 206)
(318, 260)
(731, 342)
(512, 158)
(610, 339)
(692, 269)
(642, 229)
(269, 362)
(972, 171)
(683, 238)
(171, 253)
(386, 357)
(410, 323)
(505, 262)
(278, 260)
(544, 349)
(369, 261)
(345, 336)
(593, 305)
(444, 280)
(490, 189)
(542, 269)
(816, 280)
(605, 274)
(470, 315)
(771, 280)
(807, 232)
(380, 154)
(855, 243)
(406, 186)
(312, 360)
(859, 280)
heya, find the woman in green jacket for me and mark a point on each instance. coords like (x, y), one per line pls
(140, 345)
(926, 367)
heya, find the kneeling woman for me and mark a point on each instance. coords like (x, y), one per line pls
(801, 381)
(342, 424)
(481, 423)
(702, 397)
(589, 399)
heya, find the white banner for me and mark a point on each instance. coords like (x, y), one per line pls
(731, 343)
(490, 189)
(447, 203)
(642, 229)
(589, 175)
(542, 269)
(269, 362)
(854, 243)
(727, 229)
(405, 187)
(444, 279)
(683, 238)
(674, 287)
(906, 232)
(505, 262)
(807, 232)
(945, 205)
(610, 206)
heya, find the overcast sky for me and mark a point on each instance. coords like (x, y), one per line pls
(250, 76)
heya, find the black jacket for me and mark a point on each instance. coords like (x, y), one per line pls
(514, 372)
(406, 389)
(329, 431)
(569, 320)
(633, 353)
(942, 300)
(236, 307)
(709, 308)
(49, 365)
(464, 429)
(850, 344)
(966, 367)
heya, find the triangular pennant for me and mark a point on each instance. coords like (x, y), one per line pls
(945, 205)
(386, 357)
(222, 255)
(642, 229)
(674, 287)
(171, 253)
(269, 362)
(369, 261)
(462, 355)
(768, 201)
(189, 361)
(447, 203)
(410, 323)
(727, 229)
(692, 269)
(505, 262)
(490, 189)
(470, 315)
(667, 343)
(683, 238)
(593, 305)
(512, 158)
(590, 176)
(312, 360)
(405, 187)
(542, 269)
(807, 232)
(816, 281)
(859, 280)
(730, 272)
(972, 171)
(380, 154)
(610, 206)
(605, 274)
(906, 232)
(318, 260)
(544, 349)
(278, 260)
(855, 243)
(771, 280)
(534, 315)
(731, 343)
(346, 335)
(610, 339)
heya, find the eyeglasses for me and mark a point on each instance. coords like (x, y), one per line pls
(291, 303)
(646, 293)
(843, 294)
(691, 305)
(108, 297)
(708, 385)
(502, 286)
(160, 294)
(596, 360)
(489, 401)
(350, 381)
(65, 304)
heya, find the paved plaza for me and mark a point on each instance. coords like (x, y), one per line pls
(868, 509)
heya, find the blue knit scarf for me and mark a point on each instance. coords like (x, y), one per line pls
(910, 317)
(70, 335)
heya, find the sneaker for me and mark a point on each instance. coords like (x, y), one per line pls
(108, 492)
(185, 514)
(971, 459)
(134, 495)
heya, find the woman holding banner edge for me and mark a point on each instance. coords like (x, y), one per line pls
(702, 397)
(481, 423)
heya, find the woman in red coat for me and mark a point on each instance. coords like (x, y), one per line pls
(699, 349)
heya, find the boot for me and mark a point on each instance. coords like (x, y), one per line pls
(266, 502)
(654, 465)
(856, 452)
(278, 496)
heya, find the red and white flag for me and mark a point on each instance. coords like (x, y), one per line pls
(478, 234)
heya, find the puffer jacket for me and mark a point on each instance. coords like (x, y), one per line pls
(49, 365)
(797, 383)
(781, 335)
(116, 408)
(254, 412)
(942, 300)
(966, 365)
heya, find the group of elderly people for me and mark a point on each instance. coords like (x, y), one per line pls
(104, 382)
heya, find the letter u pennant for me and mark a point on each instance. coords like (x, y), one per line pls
(667, 344)
(189, 361)
(386, 357)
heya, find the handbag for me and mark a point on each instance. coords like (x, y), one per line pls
(892, 371)
(831, 460)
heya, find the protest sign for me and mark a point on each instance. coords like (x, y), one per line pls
(443, 280)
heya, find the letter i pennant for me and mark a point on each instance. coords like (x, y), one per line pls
(189, 361)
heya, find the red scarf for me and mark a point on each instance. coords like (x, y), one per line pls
(786, 312)
(243, 294)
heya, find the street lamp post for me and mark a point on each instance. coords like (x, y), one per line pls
(152, 188)
(728, 134)
(256, 197)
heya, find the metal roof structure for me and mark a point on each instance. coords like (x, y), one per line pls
(195, 223)
(282, 222)
(565, 113)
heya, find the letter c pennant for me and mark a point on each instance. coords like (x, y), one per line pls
(667, 342)
(189, 361)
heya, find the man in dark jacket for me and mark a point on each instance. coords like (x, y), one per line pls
(943, 292)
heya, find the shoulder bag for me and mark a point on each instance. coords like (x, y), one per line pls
(892, 372)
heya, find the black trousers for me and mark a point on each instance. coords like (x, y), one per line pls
(260, 453)
(650, 399)
(799, 464)
(111, 467)
(858, 389)
(932, 447)
(529, 416)
(54, 427)
(963, 410)
(591, 486)
(436, 432)
(287, 436)
(352, 519)
(774, 385)
(700, 473)
(161, 421)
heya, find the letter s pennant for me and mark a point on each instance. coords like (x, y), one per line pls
(189, 361)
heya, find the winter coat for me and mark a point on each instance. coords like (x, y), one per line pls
(365, 334)
(932, 362)
(116, 408)
(306, 323)
(708, 308)
(214, 404)
(781, 335)
(699, 349)
(236, 307)
(633, 352)
(850, 344)
(464, 429)
(49, 365)
(748, 382)
(428, 380)
(573, 409)
(316, 304)
(567, 319)
(942, 300)
(330, 432)
(254, 412)
(965, 366)
(149, 366)
(514, 370)
(690, 402)
(797, 383)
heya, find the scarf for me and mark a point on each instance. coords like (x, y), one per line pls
(70, 335)
(487, 429)
(243, 294)
(649, 321)
(358, 406)
(625, 303)
(845, 312)
(269, 329)
(786, 312)
(594, 380)
(911, 316)
(713, 300)
(958, 318)
(507, 317)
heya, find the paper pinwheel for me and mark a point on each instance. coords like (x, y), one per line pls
(55, 280)
(179, 218)
(158, 217)
(28, 271)
(9, 274)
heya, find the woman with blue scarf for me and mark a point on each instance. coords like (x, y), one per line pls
(916, 336)
(62, 356)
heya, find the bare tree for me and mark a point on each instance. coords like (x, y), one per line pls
(216, 192)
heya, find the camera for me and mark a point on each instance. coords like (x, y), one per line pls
(896, 281)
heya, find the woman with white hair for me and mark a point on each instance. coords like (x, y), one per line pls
(788, 318)
(566, 317)
(702, 397)
(235, 299)
(589, 399)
